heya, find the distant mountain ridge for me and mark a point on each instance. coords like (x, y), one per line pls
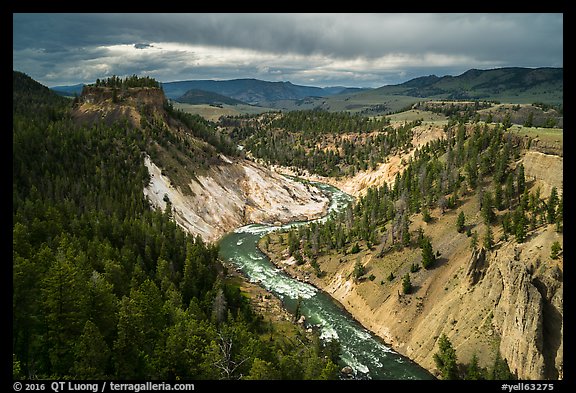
(68, 90)
(196, 96)
(511, 84)
(483, 84)
(251, 91)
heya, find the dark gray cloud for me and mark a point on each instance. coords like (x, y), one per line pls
(322, 49)
(142, 46)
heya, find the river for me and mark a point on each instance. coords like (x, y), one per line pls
(367, 355)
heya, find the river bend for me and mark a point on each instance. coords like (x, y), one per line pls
(364, 352)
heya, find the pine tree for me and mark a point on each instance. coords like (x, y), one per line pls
(560, 215)
(405, 233)
(359, 270)
(262, 370)
(446, 359)
(65, 305)
(530, 120)
(487, 206)
(102, 305)
(298, 309)
(92, 354)
(520, 180)
(472, 173)
(189, 285)
(128, 354)
(293, 242)
(551, 205)
(428, 257)
(555, 249)
(426, 214)
(500, 370)
(420, 236)
(506, 226)
(460, 222)
(506, 122)
(474, 371)
(474, 240)
(519, 225)
(219, 306)
(498, 197)
(406, 284)
(330, 372)
(509, 189)
(488, 240)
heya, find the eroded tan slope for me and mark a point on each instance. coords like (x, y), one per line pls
(545, 169)
(233, 194)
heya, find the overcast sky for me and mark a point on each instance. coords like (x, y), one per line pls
(361, 50)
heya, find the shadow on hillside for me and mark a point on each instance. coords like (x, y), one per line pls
(440, 261)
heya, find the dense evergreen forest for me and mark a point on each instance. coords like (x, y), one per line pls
(128, 82)
(328, 144)
(105, 287)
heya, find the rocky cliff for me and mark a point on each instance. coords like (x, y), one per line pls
(545, 169)
(233, 194)
(527, 313)
(98, 104)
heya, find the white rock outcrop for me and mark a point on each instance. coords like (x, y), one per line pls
(234, 194)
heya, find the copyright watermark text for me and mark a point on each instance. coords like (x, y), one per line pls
(509, 387)
(100, 387)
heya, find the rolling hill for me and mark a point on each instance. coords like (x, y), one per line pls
(512, 85)
(68, 91)
(27, 93)
(196, 96)
(501, 83)
(252, 91)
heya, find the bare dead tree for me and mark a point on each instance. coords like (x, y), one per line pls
(225, 362)
(219, 307)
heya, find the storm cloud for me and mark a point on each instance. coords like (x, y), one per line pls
(365, 50)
